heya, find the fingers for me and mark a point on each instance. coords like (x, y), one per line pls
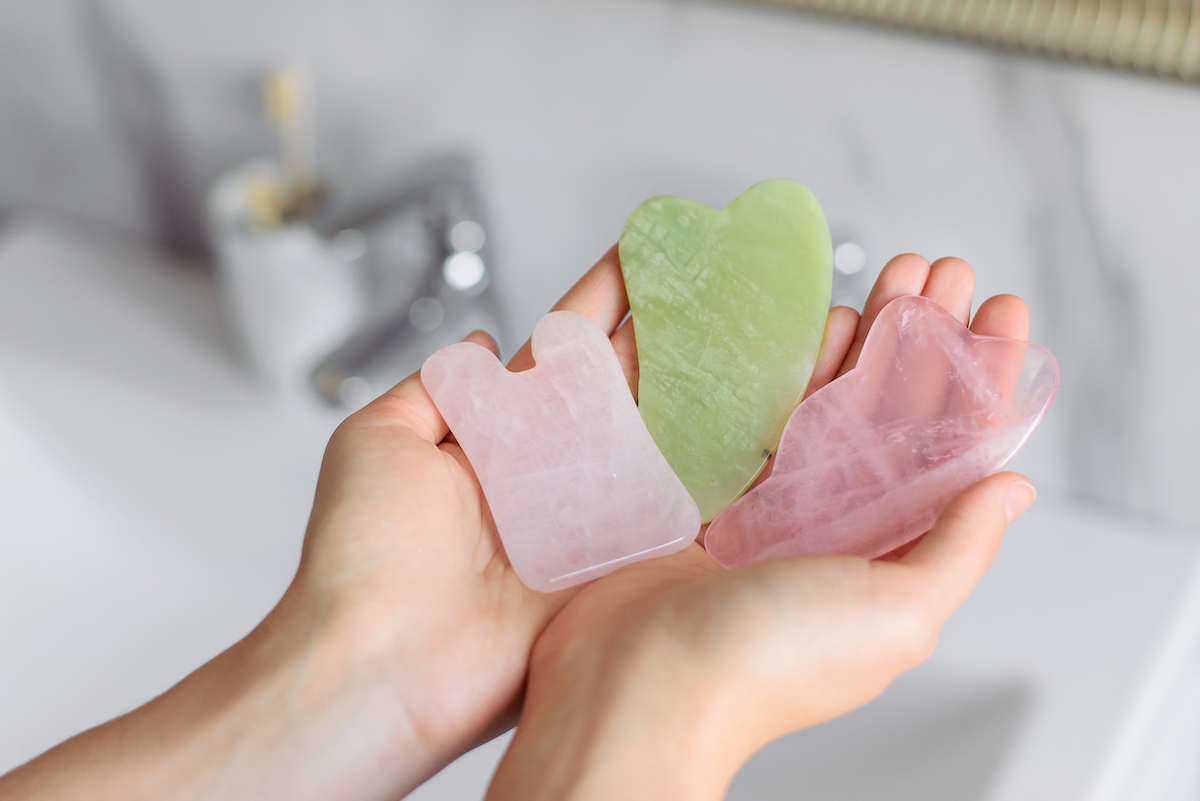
(625, 346)
(410, 405)
(950, 284)
(840, 327)
(599, 295)
(951, 558)
(1002, 316)
(903, 275)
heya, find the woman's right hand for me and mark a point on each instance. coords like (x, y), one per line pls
(661, 679)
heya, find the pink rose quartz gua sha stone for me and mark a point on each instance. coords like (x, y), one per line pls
(573, 479)
(867, 462)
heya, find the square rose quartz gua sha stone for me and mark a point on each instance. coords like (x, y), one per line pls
(867, 462)
(573, 479)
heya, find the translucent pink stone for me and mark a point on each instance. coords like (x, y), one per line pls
(573, 479)
(867, 462)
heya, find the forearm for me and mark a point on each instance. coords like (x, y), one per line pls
(282, 714)
(170, 746)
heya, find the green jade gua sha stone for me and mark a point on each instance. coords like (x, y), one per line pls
(729, 309)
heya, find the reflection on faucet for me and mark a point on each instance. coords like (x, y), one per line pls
(427, 262)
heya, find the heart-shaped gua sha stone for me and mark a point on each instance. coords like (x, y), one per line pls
(729, 309)
(574, 481)
(868, 461)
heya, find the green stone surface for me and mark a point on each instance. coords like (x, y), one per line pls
(729, 309)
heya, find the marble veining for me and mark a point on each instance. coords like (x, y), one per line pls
(1091, 298)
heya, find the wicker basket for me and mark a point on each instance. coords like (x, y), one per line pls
(1159, 37)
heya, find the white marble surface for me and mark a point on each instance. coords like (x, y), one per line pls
(155, 500)
(119, 404)
(1073, 187)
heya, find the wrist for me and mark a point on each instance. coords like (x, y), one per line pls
(324, 703)
(297, 709)
(423, 675)
(636, 723)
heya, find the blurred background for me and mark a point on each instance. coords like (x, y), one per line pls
(225, 225)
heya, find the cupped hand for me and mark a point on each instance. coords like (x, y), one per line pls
(402, 564)
(659, 680)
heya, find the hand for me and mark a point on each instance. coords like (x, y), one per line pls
(402, 642)
(405, 562)
(661, 679)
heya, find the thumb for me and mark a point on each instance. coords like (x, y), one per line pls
(960, 547)
(410, 404)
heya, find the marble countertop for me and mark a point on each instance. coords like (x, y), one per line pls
(136, 547)
(156, 499)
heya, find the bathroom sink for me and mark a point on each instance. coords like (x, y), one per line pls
(1071, 672)
(931, 737)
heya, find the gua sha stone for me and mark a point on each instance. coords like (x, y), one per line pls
(728, 309)
(868, 461)
(574, 481)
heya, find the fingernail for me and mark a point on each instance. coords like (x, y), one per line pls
(1019, 498)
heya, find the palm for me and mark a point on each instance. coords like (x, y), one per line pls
(401, 539)
(400, 536)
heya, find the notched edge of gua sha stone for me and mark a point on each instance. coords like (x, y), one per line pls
(570, 352)
(799, 272)
(778, 519)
